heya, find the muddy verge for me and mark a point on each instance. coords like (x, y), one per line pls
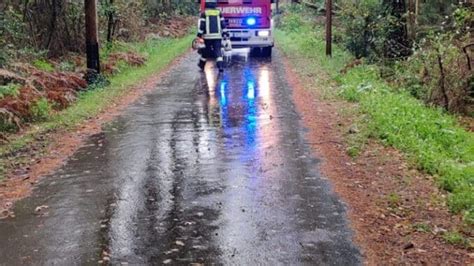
(397, 213)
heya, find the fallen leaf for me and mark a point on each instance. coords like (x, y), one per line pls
(41, 208)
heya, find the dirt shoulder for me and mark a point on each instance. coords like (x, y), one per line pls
(397, 213)
(48, 152)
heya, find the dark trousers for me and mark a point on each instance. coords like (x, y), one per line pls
(213, 50)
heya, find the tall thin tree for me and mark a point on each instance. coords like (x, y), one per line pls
(92, 40)
(329, 27)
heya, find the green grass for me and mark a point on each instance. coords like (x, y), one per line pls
(41, 110)
(456, 238)
(11, 89)
(422, 227)
(431, 139)
(159, 53)
(44, 65)
(394, 200)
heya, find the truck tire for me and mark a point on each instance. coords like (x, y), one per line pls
(255, 52)
(266, 52)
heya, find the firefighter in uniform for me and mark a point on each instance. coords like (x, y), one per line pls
(212, 28)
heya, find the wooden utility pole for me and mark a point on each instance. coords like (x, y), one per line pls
(92, 40)
(329, 27)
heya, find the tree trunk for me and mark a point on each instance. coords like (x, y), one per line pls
(110, 22)
(52, 25)
(329, 27)
(92, 40)
(411, 27)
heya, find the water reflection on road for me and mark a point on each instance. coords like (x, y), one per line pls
(207, 169)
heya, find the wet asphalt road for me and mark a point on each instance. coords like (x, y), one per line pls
(206, 169)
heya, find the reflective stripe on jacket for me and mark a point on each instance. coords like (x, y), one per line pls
(212, 25)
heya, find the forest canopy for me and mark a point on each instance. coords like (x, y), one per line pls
(56, 27)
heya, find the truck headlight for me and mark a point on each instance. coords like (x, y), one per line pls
(263, 33)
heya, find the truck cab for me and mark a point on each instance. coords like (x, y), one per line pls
(249, 23)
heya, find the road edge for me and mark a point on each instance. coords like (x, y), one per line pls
(61, 144)
(375, 228)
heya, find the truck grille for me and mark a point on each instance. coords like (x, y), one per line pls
(240, 23)
(236, 39)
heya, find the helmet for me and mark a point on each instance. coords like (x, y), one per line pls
(198, 44)
(211, 3)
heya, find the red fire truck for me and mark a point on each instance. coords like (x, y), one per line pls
(249, 23)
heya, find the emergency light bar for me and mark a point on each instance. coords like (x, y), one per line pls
(250, 21)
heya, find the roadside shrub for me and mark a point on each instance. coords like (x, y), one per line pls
(292, 22)
(124, 19)
(369, 29)
(67, 66)
(438, 73)
(9, 122)
(434, 11)
(170, 7)
(3, 58)
(436, 70)
(10, 89)
(469, 217)
(12, 28)
(319, 5)
(41, 110)
(44, 65)
(3, 42)
(455, 238)
(12, 34)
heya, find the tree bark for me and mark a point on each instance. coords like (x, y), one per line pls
(329, 27)
(442, 83)
(52, 25)
(412, 13)
(110, 22)
(92, 40)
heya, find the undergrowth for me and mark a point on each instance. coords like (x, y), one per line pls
(92, 102)
(431, 139)
(44, 65)
(41, 110)
(11, 89)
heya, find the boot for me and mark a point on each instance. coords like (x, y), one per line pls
(220, 66)
(201, 64)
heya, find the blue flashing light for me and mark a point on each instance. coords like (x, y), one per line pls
(251, 21)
